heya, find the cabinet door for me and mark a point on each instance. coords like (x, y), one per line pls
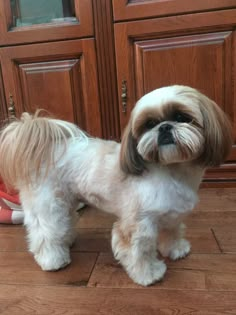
(60, 77)
(151, 54)
(3, 110)
(27, 21)
(135, 9)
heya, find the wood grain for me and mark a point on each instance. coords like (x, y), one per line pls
(152, 53)
(44, 32)
(57, 76)
(103, 20)
(137, 9)
(93, 218)
(109, 274)
(88, 240)
(203, 283)
(20, 268)
(58, 301)
(195, 272)
(3, 107)
(226, 237)
(216, 199)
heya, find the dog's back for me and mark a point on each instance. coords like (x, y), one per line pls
(30, 143)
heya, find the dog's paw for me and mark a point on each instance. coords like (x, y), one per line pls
(53, 259)
(179, 249)
(148, 273)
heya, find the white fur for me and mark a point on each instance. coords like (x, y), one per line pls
(90, 171)
(147, 206)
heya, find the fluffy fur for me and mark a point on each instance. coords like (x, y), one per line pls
(149, 181)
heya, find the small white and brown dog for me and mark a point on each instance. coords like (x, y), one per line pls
(150, 181)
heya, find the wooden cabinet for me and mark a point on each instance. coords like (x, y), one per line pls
(58, 77)
(78, 59)
(17, 27)
(193, 49)
(138, 9)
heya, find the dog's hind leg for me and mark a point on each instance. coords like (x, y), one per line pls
(49, 223)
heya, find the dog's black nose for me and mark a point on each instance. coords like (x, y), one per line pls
(165, 128)
(165, 135)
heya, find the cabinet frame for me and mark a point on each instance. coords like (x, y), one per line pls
(84, 49)
(49, 31)
(139, 9)
(127, 33)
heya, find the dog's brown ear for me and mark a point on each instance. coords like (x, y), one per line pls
(131, 161)
(217, 133)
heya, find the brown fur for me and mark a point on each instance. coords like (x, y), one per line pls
(159, 114)
(130, 160)
(29, 143)
(217, 132)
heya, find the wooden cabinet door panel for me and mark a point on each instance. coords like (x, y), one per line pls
(61, 86)
(60, 77)
(83, 26)
(3, 109)
(136, 9)
(150, 55)
(202, 61)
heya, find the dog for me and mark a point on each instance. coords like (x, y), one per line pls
(150, 181)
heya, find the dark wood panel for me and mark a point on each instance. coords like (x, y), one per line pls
(44, 32)
(3, 107)
(106, 68)
(194, 49)
(54, 86)
(202, 61)
(60, 77)
(127, 34)
(136, 9)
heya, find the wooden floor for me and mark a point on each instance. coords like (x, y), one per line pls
(203, 283)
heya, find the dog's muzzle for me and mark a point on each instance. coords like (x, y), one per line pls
(165, 136)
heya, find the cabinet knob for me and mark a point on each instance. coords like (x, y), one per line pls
(124, 96)
(11, 107)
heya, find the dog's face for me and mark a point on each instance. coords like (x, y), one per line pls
(175, 124)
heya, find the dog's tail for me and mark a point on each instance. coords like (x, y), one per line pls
(28, 147)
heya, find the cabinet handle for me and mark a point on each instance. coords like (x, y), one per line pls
(124, 96)
(11, 107)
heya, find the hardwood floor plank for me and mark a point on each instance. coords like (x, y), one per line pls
(202, 240)
(20, 268)
(206, 262)
(12, 238)
(217, 199)
(88, 240)
(200, 219)
(226, 237)
(93, 240)
(94, 219)
(17, 300)
(221, 281)
(196, 272)
(109, 274)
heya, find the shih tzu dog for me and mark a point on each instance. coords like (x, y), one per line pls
(150, 181)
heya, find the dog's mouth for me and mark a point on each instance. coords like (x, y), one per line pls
(165, 139)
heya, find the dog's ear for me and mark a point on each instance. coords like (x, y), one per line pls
(131, 161)
(217, 133)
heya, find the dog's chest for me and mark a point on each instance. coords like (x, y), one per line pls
(168, 193)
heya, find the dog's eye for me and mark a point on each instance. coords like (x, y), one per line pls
(182, 118)
(151, 123)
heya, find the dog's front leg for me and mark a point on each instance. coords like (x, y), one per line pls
(134, 245)
(49, 227)
(172, 242)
